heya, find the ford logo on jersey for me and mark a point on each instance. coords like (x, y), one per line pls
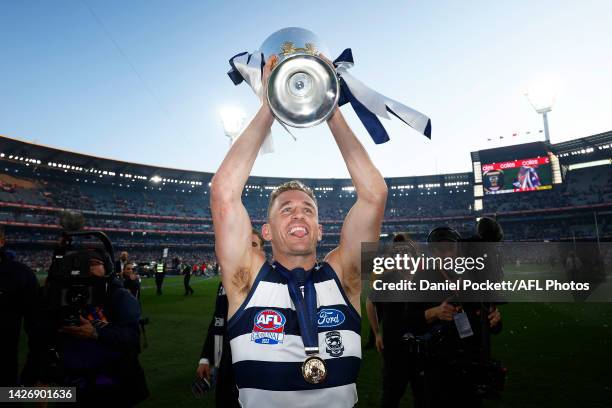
(330, 318)
(269, 327)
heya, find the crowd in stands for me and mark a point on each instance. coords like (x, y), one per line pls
(137, 219)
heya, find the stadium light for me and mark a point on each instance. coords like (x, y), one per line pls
(542, 94)
(233, 119)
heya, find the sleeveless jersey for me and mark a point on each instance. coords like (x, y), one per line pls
(268, 351)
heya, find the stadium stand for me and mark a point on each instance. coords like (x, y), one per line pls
(146, 208)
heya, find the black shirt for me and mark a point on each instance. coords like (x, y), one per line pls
(18, 300)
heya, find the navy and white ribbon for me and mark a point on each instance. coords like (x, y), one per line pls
(368, 104)
(305, 304)
(249, 68)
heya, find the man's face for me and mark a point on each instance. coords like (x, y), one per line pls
(256, 242)
(445, 249)
(124, 256)
(293, 224)
(128, 270)
(96, 268)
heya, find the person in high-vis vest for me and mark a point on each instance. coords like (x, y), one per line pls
(294, 324)
(160, 273)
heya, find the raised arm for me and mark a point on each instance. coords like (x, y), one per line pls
(230, 217)
(374, 324)
(363, 222)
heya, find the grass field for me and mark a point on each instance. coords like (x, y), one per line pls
(557, 355)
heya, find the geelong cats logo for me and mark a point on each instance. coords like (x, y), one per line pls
(333, 342)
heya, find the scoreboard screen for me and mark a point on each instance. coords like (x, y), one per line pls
(517, 175)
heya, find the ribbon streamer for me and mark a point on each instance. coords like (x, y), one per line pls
(366, 102)
(305, 305)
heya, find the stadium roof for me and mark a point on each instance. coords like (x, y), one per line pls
(19, 151)
(598, 146)
(47, 154)
(15, 150)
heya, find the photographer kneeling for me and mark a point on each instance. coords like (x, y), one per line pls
(93, 340)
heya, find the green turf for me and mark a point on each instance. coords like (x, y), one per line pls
(558, 355)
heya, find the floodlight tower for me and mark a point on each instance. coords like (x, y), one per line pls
(542, 98)
(233, 122)
(542, 110)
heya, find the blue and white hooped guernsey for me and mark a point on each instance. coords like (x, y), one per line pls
(268, 352)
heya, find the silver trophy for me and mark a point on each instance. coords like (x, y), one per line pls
(303, 89)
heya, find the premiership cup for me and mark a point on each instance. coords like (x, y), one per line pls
(303, 89)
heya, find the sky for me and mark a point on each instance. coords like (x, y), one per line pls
(144, 81)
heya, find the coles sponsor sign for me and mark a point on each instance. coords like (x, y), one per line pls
(516, 164)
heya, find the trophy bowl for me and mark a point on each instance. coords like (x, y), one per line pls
(303, 89)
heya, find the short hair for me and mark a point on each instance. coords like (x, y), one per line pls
(443, 234)
(490, 230)
(289, 186)
(261, 240)
(401, 237)
(403, 240)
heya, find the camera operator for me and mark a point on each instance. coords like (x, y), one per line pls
(18, 296)
(90, 336)
(445, 339)
(489, 234)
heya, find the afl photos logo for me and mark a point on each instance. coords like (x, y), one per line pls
(268, 327)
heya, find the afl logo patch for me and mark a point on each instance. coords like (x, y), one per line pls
(268, 327)
(330, 318)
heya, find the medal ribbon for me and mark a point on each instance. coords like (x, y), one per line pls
(305, 306)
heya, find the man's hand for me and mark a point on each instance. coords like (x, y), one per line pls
(494, 316)
(265, 77)
(203, 371)
(379, 343)
(84, 331)
(443, 312)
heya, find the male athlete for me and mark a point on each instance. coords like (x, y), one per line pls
(294, 325)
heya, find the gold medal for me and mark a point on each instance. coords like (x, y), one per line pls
(314, 370)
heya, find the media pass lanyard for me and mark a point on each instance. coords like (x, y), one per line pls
(314, 370)
(462, 323)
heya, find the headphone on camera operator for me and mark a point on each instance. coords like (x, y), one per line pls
(79, 276)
